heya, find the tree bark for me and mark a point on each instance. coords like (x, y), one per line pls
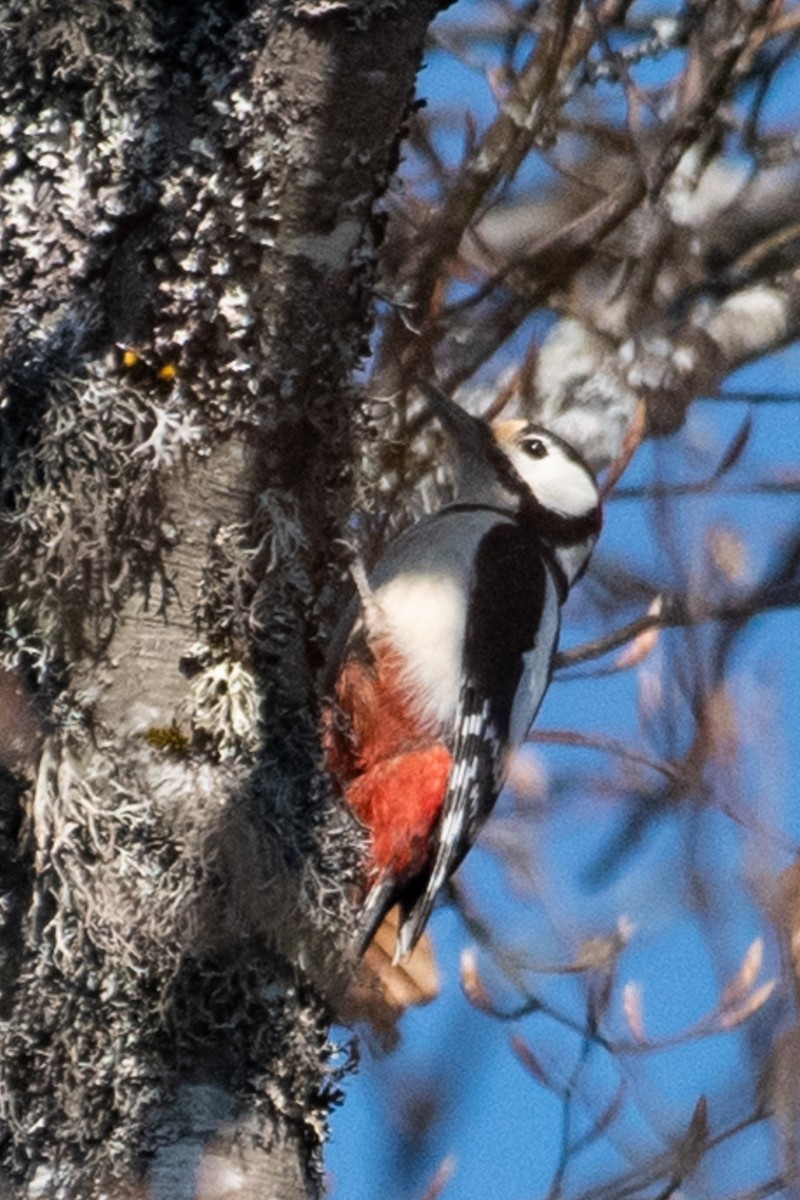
(188, 248)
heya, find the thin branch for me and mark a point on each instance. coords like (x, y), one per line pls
(704, 487)
(743, 397)
(607, 745)
(685, 612)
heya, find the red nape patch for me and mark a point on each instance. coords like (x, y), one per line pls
(399, 800)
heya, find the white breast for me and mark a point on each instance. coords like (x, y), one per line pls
(424, 616)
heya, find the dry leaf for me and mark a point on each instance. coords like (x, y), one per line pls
(472, 983)
(413, 982)
(642, 646)
(529, 1060)
(609, 1113)
(381, 991)
(728, 553)
(528, 779)
(634, 1011)
(745, 977)
(444, 1173)
(696, 1140)
(601, 952)
(733, 1017)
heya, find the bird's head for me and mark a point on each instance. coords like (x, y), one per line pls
(552, 470)
(517, 465)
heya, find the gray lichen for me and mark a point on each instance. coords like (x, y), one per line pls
(187, 250)
(86, 522)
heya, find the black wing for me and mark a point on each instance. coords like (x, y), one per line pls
(509, 645)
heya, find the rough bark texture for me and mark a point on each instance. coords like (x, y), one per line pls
(187, 250)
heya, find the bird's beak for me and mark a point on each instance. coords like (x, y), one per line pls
(473, 446)
(466, 431)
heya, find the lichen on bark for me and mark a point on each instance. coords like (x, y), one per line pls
(188, 248)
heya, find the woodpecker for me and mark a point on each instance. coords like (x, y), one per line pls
(442, 661)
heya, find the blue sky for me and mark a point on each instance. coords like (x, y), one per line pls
(500, 1125)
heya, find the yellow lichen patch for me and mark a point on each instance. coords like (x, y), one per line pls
(169, 738)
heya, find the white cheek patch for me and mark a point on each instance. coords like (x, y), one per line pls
(556, 481)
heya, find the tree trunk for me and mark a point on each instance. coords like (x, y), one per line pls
(188, 247)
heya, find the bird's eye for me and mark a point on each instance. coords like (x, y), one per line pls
(535, 447)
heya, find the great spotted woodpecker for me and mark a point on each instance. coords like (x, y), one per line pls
(441, 665)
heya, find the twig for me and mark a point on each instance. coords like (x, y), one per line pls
(677, 612)
(608, 745)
